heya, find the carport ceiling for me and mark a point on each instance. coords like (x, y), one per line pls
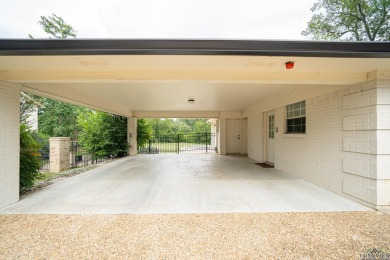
(123, 83)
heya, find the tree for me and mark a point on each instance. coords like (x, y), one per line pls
(352, 20)
(29, 158)
(55, 118)
(56, 27)
(103, 135)
(59, 119)
(202, 126)
(144, 132)
(28, 104)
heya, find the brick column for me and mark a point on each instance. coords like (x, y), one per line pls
(9, 144)
(59, 154)
(366, 142)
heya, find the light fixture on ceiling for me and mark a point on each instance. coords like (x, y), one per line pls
(191, 100)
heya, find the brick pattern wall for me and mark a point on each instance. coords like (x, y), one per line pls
(346, 148)
(317, 155)
(9, 145)
(59, 154)
(366, 142)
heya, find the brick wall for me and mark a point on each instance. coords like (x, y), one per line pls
(9, 144)
(346, 148)
(59, 154)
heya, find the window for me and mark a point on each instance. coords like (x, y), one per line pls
(296, 118)
(271, 126)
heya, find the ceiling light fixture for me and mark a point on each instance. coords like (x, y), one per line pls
(191, 100)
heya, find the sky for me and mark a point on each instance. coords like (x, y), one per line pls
(161, 19)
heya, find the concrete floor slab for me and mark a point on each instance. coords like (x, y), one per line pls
(184, 183)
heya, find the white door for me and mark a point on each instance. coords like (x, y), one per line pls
(270, 136)
(233, 136)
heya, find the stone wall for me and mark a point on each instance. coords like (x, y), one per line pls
(59, 154)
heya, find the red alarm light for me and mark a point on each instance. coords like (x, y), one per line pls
(289, 65)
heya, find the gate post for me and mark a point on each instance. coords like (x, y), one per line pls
(207, 142)
(59, 154)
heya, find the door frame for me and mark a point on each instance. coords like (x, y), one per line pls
(266, 125)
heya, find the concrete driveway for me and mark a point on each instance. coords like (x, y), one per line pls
(192, 183)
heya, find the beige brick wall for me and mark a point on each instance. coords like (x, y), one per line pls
(59, 154)
(9, 144)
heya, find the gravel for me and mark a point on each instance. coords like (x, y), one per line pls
(341, 235)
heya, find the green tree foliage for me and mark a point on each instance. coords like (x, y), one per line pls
(103, 135)
(144, 132)
(202, 126)
(27, 105)
(29, 158)
(352, 20)
(180, 126)
(56, 27)
(55, 118)
(59, 119)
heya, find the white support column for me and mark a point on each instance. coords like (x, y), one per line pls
(9, 144)
(132, 135)
(222, 136)
(366, 149)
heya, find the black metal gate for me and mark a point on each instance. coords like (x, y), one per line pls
(78, 158)
(180, 143)
(44, 153)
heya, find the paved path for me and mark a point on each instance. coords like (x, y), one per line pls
(192, 183)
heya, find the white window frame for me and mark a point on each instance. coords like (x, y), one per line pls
(296, 112)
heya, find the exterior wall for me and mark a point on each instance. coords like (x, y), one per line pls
(132, 135)
(366, 143)
(9, 144)
(255, 137)
(346, 148)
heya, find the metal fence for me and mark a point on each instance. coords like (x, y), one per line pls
(180, 143)
(44, 153)
(78, 157)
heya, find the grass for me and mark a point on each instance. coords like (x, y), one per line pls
(46, 176)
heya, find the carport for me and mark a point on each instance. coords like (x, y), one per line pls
(342, 90)
(186, 183)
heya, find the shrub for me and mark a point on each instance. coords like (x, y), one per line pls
(103, 135)
(29, 158)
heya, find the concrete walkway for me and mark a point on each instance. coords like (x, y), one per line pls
(193, 183)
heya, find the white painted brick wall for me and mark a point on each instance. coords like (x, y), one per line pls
(255, 137)
(364, 165)
(9, 145)
(383, 167)
(360, 99)
(317, 157)
(346, 130)
(383, 120)
(361, 188)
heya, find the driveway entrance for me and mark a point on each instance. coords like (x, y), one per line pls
(184, 183)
